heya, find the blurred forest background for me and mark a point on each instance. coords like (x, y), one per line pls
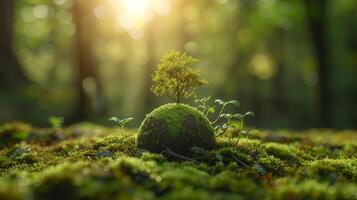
(294, 63)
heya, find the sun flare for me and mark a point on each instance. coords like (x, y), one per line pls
(133, 15)
(136, 7)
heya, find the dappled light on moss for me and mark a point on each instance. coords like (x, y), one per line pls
(105, 163)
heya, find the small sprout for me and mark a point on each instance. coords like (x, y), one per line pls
(238, 116)
(203, 100)
(224, 104)
(250, 113)
(219, 101)
(212, 110)
(222, 128)
(216, 128)
(242, 117)
(203, 105)
(56, 122)
(121, 122)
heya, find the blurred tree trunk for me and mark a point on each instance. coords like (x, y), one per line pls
(148, 98)
(316, 18)
(277, 48)
(91, 101)
(11, 73)
(279, 87)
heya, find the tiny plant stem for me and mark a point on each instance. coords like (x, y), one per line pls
(219, 114)
(240, 130)
(205, 109)
(178, 97)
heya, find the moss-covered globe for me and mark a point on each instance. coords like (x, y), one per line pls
(177, 127)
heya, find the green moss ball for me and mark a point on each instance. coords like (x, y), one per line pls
(177, 127)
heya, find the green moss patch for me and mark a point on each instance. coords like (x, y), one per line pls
(87, 161)
(174, 114)
(177, 128)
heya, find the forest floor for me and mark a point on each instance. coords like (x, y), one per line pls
(87, 161)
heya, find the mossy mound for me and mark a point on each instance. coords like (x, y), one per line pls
(177, 127)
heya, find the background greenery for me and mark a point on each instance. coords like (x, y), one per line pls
(291, 62)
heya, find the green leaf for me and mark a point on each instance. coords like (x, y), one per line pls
(126, 120)
(219, 101)
(217, 128)
(114, 119)
(238, 116)
(223, 115)
(228, 116)
(253, 131)
(201, 107)
(235, 103)
(56, 122)
(226, 126)
(250, 113)
(212, 110)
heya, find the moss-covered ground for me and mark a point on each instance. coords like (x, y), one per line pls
(87, 161)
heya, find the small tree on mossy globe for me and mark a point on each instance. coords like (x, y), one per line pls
(176, 128)
(175, 76)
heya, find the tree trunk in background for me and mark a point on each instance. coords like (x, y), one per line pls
(316, 17)
(87, 72)
(279, 87)
(148, 96)
(11, 73)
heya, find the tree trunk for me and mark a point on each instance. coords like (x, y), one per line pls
(87, 72)
(316, 18)
(148, 96)
(11, 74)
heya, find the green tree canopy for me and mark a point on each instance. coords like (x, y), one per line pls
(175, 76)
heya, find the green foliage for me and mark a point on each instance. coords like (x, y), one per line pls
(56, 122)
(121, 122)
(228, 117)
(241, 49)
(175, 76)
(204, 106)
